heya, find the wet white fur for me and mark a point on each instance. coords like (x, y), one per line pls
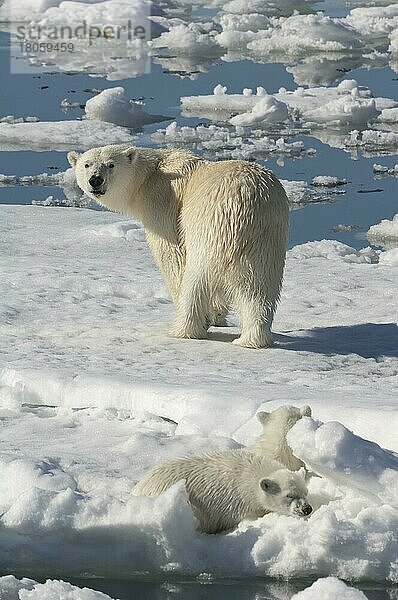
(272, 441)
(225, 487)
(217, 230)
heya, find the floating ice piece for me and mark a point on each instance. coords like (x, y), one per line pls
(333, 451)
(12, 588)
(329, 588)
(12, 120)
(370, 139)
(300, 35)
(190, 39)
(327, 181)
(23, 10)
(374, 21)
(385, 229)
(267, 110)
(332, 249)
(345, 104)
(244, 7)
(61, 135)
(388, 115)
(251, 22)
(112, 106)
(383, 171)
(224, 142)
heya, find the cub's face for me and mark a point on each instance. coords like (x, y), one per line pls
(99, 170)
(285, 493)
(283, 418)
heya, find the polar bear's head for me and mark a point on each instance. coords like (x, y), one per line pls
(272, 441)
(285, 492)
(284, 417)
(112, 175)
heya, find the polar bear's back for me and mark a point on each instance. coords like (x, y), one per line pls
(223, 487)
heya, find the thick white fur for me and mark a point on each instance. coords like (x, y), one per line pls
(226, 487)
(217, 230)
(272, 442)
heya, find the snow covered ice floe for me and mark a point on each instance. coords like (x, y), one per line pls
(226, 142)
(385, 229)
(61, 136)
(12, 588)
(112, 106)
(347, 104)
(329, 588)
(327, 181)
(88, 370)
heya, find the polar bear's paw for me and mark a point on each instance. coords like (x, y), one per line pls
(260, 340)
(191, 333)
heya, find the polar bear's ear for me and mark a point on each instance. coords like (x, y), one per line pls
(270, 487)
(72, 158)
(306, 411)
(130, 152)
(263, 417)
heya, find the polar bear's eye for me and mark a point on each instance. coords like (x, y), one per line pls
(111, 165)
(86, 166)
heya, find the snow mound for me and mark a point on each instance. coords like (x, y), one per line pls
(267, 110)
(329, 588)
(333, 451)
(334, 250)
(112, 106)
(389, 257)
(386, 229)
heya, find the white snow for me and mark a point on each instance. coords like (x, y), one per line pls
(112, 106)
(386, 229)
(61, 136)
(89, 371)
(329, 588)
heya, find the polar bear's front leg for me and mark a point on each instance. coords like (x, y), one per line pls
(193, 306)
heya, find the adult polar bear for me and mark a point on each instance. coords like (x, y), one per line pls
(217, 230)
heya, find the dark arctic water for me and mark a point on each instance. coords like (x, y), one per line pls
(39, 94)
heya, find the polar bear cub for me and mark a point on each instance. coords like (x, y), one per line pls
(272, 442)
(225, 487)
(217, 230)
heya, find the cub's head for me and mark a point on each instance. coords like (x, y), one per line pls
(285, 492)
(100, 170)
(283, 418)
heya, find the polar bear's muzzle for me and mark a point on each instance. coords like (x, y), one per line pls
(301, 508)
(97, 185)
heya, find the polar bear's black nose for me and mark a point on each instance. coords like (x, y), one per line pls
(307, 509)
(96, 181)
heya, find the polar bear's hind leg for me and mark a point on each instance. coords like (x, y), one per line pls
(193, 306)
